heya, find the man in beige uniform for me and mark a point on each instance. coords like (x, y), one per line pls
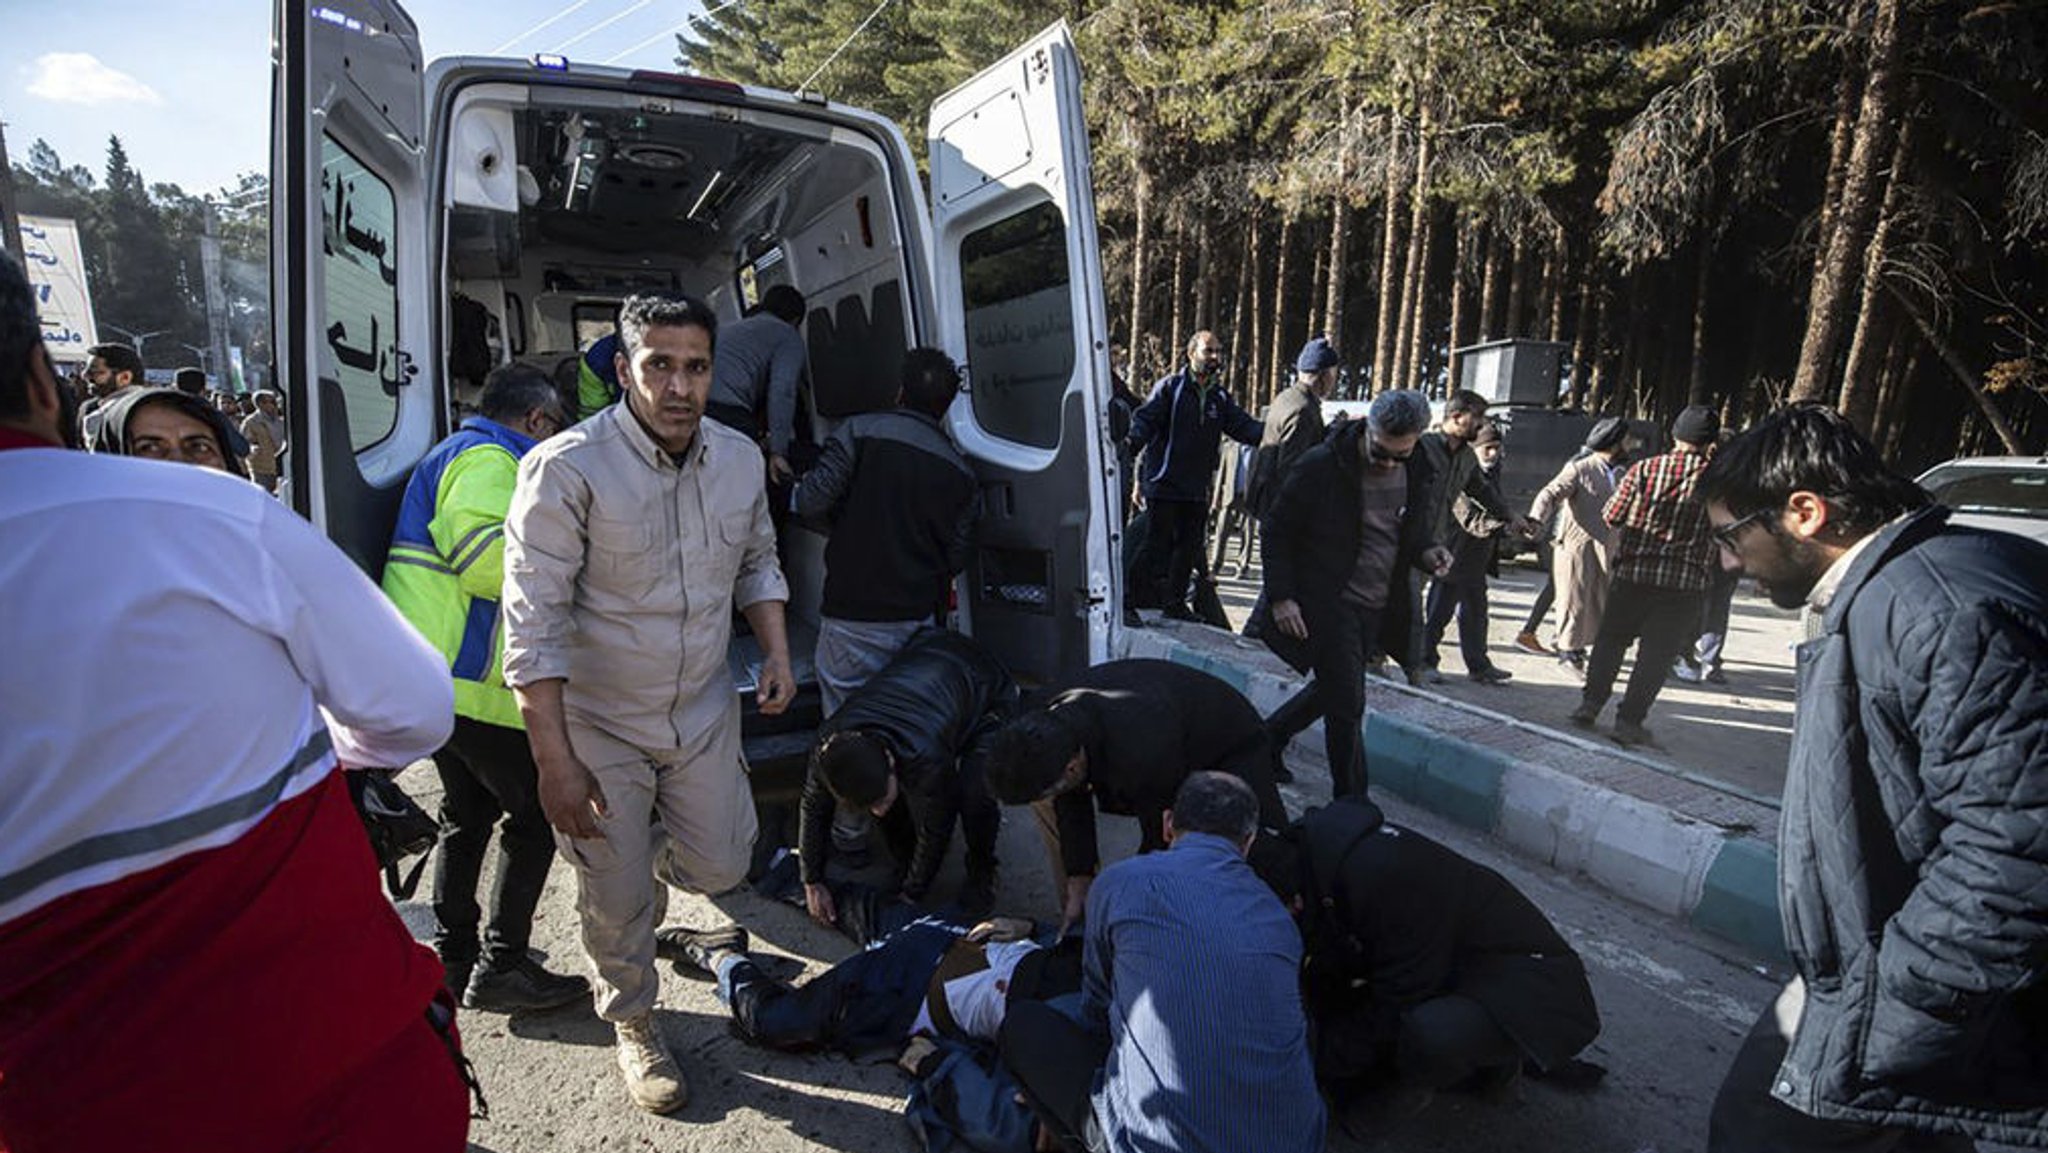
(630, 539)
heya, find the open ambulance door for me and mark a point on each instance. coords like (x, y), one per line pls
(1019, 300)
(353, 308)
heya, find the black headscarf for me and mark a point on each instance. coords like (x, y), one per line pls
(113, 431)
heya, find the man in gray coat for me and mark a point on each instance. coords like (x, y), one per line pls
(1913, 849)
(1294, 423)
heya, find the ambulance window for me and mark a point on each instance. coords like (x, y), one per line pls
(360, 272)
(1020, 324)
(594, 322)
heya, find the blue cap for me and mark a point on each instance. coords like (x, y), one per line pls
(1316, 356)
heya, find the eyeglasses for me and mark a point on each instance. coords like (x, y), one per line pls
(1726, 534)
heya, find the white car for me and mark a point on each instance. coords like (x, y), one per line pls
(2007, 493)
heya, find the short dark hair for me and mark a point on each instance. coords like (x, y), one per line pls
(192, 380)
(1027, 756)
(1398, 412)
(854, 764)
(118, 358)
(513, 390)
(1812, 448)
(783, 301)
(21, 336)
(1465, 400)
(1218, 803)
(646, 310)
(930, 381)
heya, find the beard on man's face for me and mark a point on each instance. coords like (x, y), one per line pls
(1794, 567)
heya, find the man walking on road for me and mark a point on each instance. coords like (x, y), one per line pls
(1913, 848)
(194, 953)
(1461, 591)
(446, 573)
(1662, 560)
(1576, 496)
(631, 539)
(1180, 430)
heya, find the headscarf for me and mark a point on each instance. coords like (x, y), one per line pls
(112, 436)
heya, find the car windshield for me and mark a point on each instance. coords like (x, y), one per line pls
(2009, 492)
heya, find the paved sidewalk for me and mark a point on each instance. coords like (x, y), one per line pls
(1691, 840)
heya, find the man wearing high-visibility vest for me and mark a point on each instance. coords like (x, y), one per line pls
(445, 572)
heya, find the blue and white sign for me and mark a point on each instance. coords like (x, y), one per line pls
(56, 270)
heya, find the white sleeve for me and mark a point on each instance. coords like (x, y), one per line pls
(386, 694)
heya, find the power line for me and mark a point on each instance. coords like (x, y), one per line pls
(530, 31)
(711, 11)
(602, 25)
(858, 29)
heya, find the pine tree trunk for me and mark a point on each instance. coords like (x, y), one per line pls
(1318, 292)
(1205, 280)
(1245, 308)
(1276, 348)
(1333, 294)
(1859, 387)
(1140, 245)
(1961, 370)
(1518, 289)
(1578, 396)
(1177, 326)
(1550, 298)
(1255, 324)
(1416, 360)
(1461, 250)
(1858, 209)
(1418, 259)
(1600, 385)
(1848, 91)
(1696, 377)
(1383, 355)
(1489, 284)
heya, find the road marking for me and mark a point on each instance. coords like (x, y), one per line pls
(1731, 1013)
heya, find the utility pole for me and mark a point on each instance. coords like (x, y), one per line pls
(9, 219)
(216, 298)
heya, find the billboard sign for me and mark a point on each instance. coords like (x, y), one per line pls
(56, 271)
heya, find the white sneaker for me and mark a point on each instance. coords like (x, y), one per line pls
(1690, 674)
(653, 1078)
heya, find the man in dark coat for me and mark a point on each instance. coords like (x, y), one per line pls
(1338, 544)
(907, 748)
(1474, 543)
(1913, 849)
(1448, 480)
(1180, 430)
(1420, 967)
(1122, 737)
(1293, 423)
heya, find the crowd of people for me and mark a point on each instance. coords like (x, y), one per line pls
(181, 862)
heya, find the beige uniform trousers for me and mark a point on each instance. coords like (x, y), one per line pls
(702, 843)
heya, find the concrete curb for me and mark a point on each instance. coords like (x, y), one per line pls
(1520, 787)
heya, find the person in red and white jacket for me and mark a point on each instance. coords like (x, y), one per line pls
(194, 952)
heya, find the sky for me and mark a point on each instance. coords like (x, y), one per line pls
(185, 84)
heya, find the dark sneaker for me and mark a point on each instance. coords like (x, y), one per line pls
(1632, 734)
(1493, 676)
(1584, 717)
(455, 978)
(698, 948)
(1716, 677)
(522, 985)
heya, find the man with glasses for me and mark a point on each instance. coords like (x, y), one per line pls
(1663, 563)
(1913, 849)
(1337, 542)
(446, 573)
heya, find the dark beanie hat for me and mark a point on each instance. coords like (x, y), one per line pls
(190, 380)
(1316, 356)
(1606, 434)
(1698, 424)
(1488, 434)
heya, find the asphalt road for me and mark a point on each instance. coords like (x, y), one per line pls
(1674, 1004)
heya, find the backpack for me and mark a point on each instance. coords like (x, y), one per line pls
(397, 826)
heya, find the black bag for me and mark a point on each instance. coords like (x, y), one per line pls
(397, 826)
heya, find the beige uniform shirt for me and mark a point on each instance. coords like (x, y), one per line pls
(622, 570)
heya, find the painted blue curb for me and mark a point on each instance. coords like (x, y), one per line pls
(1233, 675)
(1739, 901)
(1447, 776)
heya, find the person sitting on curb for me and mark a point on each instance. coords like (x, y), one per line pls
(1122, 737)
(907, 747)
(1423, 971)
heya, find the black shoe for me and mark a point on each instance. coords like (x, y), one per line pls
(699, 948)
(1632, 734)
(1132, 620)
(522, 985)
(455, 977)
(1493, 676)
(1584, 717)
(1716, 677)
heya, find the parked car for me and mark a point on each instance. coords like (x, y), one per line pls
(2008, 493)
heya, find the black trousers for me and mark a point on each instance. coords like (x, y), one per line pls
(1054, 1060)
(1173, 547)
(1747, 1119)
(1545, 596)
(1664, 621)
(1466, 599)
(1335, 654)
(487, 772)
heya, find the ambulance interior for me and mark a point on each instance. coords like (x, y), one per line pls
(562, 202)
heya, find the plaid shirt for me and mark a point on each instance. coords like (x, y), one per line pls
(1660, 527)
